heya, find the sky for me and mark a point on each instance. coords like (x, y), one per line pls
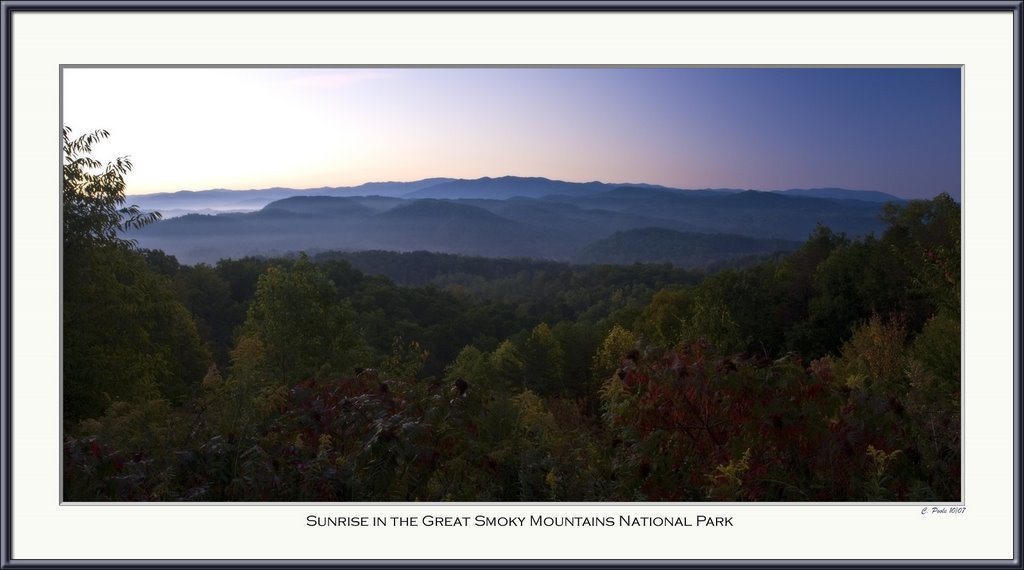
(894, 130)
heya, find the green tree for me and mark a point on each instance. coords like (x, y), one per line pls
(712, 320)
(405, 359)
(507, 364)
(126, 338)
(208, 297)
(543, 361)
(616, 346)
(472, 366)
(662, 320)
(925, 236)
(94, 208)
(302, 325)
(579, 341)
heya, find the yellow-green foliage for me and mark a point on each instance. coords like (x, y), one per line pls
(726, 480)
(507, 364)
(535, 422)
(543, 361)
(405, 360)
(472, 365)
(662, 320)
(710, 319)
(613, 349)
(874, 356)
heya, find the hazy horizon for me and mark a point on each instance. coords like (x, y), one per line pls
(523, 176)
(884, 129)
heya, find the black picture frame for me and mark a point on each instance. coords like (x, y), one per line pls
(10, 8)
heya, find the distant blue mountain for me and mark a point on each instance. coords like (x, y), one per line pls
(501, 188)
(842, 194)
(433, 211)
(319, 206)
(186, 201)
(511, 217)
(512, 187)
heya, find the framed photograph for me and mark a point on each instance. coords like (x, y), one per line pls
(511, 283)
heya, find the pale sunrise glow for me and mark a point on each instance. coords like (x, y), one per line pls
(890, 130)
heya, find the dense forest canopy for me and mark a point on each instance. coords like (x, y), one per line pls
(831, 373)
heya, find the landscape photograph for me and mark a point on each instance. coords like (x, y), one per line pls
(511, 284)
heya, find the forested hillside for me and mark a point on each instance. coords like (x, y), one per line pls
(831, 373)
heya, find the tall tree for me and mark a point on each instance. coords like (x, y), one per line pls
(302, 325)
(543, 361)
(94, 196)
(126, 338)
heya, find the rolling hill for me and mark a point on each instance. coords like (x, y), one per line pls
(516, 217)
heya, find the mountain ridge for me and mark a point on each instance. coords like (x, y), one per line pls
(182, 202)
(557, 227)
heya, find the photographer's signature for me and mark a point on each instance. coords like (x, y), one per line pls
(943, 510)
